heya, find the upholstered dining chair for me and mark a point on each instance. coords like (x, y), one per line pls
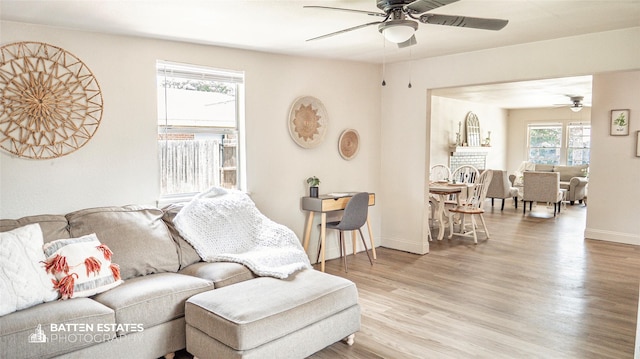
(353, 218)
(541, 187)
(473, 206)
(500, 187)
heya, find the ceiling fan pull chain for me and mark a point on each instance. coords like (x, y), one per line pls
(410, 66)
(384, 43)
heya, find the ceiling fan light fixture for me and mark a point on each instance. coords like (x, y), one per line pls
(576, 108)
(398, 31)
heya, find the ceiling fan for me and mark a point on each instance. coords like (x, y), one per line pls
(576, 103)
(401, 17)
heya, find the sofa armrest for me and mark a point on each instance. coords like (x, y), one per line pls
(577, 189)
(578, 182)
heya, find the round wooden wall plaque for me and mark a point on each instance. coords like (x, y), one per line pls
(349, 144)
(50, 102)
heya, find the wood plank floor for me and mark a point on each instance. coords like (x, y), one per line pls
(536, 289)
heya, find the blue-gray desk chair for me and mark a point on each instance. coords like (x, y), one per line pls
(353, 218)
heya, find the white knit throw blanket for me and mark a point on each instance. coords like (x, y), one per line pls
(225, 226)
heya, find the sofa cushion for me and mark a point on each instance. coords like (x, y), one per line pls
(544, 168)
(220, 273)
(53, 226)
(187, 253)
(152, 299)
(82, 266)
(23, 279)
(138, 237)
(66, 325)
(568, 172)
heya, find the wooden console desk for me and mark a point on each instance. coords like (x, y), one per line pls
(328, 203)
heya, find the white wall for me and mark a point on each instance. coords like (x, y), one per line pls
(614, 170)
(119, 165)
(406, 117)
(520, 118)
(447, 113)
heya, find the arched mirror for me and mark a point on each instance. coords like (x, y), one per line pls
(472, 129)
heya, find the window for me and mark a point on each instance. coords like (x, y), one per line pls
(578, 143)
(198, 128)
(547, 145)
(545, 142)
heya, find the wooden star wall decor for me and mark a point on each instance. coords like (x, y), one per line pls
(308, 122)
(50, 102)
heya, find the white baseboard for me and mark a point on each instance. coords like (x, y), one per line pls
(611, 236)
(404, 245)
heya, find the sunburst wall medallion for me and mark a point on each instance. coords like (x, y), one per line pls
(50, 102)
(308, 122)
(349, 144)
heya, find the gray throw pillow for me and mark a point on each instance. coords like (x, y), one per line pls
(140, 240)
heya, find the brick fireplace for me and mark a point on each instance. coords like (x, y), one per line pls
(474, 156)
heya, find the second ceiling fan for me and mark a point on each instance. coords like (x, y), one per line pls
(401, 17)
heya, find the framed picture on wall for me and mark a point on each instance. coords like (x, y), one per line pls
(619, 122)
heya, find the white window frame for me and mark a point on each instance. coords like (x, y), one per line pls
(582, 125)
(564, 136)
(540, 125)
(188, 71)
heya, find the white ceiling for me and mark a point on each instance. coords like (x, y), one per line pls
(526, 94)
(283, 26)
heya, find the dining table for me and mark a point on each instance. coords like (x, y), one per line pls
(441, 191)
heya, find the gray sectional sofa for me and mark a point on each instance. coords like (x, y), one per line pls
(144, 317)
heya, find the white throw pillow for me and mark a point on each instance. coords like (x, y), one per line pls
(23, 279)
(82, 266)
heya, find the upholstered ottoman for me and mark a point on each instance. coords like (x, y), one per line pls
(272, 318)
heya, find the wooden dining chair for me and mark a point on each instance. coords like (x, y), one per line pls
(439, 172)
(465, 174)
(473, 206)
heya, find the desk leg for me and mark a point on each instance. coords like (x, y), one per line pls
(373, 245)
(323, 233)
(307, 231)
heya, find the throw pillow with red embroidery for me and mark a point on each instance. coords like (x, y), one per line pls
(82, 266)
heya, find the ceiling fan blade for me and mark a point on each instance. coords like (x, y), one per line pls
(370, 13)
(420, 6)
(464, 21)
(346, 30)
(412, 41)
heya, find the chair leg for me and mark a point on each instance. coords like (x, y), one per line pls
(515, 200)
(484, 225)
(473, 229)
(343, 252)
(524, 206)
(491, 202)
(319, 247)
(502, 207)
(366, 250)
